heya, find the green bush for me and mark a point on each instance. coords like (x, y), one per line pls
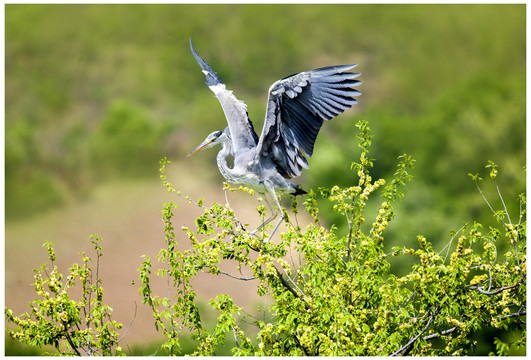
(33, 194)
(73, 327)
(127, 142)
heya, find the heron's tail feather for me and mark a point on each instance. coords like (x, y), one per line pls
(297, 190)
(212, 78)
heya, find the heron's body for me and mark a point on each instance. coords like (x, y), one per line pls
(296, 108)
(245, 170)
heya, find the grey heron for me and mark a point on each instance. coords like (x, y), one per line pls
(297, 106)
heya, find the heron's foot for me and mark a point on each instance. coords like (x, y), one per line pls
(275, 229)
(268, 239)
(265, 241)
(260, 238)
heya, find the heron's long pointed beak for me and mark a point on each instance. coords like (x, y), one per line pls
(201, 146)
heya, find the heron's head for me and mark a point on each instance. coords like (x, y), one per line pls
(217, 137)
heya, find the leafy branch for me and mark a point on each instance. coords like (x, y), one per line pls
(83, 326)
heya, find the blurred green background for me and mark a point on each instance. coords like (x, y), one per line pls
(99, 93)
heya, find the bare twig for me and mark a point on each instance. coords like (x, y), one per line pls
(235, 337)
(404, 350)
(168, 268)
(407, 301)
(518, 229)
(69, 339)
(237, 277)
(488, 204)
(295, 285)
(515, 232)
(436, 335)
(490, 280)
(131, 324)
(300, 345)
(350, 228)
(503, 202)
(497, 291)
(286, 284)
(509, 228)
(451, 330)
(246, 314)
(516, 314)
(450, 243)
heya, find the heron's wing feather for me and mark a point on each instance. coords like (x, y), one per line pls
(296, 108)
(241, 128)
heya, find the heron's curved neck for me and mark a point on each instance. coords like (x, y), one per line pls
(224, 169)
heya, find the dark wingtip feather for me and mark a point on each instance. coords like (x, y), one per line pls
(211, 76)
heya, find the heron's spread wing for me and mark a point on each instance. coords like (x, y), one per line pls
(296, 108)
(241, 128)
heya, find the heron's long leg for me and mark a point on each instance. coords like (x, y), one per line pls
(275, 229)
(275, 214)
(273, 193)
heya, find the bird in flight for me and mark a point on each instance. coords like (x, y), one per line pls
(297, 106)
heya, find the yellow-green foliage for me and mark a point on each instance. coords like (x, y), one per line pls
(73, 327)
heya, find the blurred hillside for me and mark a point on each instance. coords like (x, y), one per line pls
(96, 94)
(95, 91)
